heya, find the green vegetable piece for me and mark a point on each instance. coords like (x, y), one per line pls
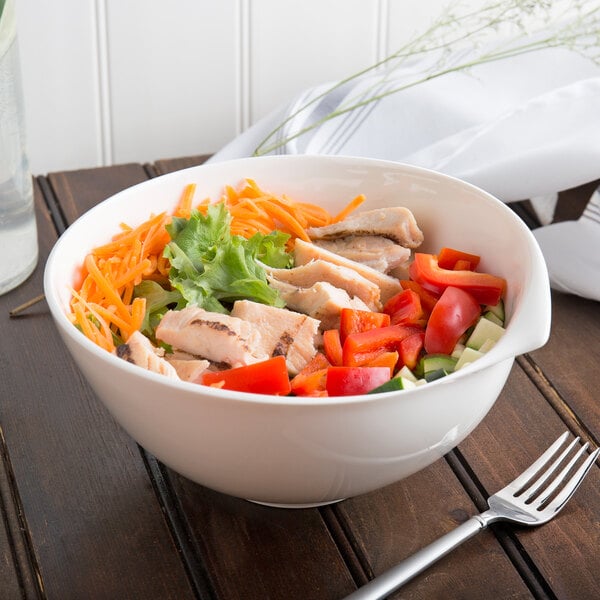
(467, 357)
(435, 362)
(484, 330)
(158, 301)
(212, 268)
(437, 374)
(393, 385)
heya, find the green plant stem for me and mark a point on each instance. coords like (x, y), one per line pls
(572, 35)
(526, 48)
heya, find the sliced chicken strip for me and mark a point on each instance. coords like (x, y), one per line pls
(339, 276)
(214, 336)
(375, 251)
(305, 252)
(140, 351)
(321, 301)
(396, 223)
(283, 332)
(189, 369)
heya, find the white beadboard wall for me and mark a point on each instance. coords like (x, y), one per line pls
(113, 81)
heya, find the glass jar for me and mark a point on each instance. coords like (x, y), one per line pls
(18, 233)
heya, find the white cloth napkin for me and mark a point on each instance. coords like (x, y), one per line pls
(523, 127)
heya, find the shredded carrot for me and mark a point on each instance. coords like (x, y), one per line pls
(255, 210)
(185, 205)
(104, 305)
(352, 205)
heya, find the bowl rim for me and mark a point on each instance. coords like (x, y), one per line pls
(494, 356)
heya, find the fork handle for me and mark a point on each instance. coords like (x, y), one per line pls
(396, 576)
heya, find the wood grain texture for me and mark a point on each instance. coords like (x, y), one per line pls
(390, 525)
(95, 524)
(516, 431)
(253, 552)
(87, 514)
(567, 366)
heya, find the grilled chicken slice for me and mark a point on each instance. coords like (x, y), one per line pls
(396, 223)
(214, 336)
(188, 366)
(140, 351)
(339, 276)
(375, 251)
(321, 301)
(283, 332)
(305, 252)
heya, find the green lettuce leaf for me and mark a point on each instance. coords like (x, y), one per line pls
(212, 268)
(158, 301)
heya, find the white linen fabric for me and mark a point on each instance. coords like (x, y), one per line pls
(522, 127)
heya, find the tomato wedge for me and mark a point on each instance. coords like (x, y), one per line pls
(453, 314)
(348, 381)
(484, 287)
(265, 377)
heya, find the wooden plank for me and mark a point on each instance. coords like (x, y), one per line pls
(571, 203)
(169, 165)
(567, 366)
(14, 571)
(94, 522)
(390, 525)
(515, 432)
(253, 552)
(78, 191)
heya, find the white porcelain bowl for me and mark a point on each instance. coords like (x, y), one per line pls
(304, 451)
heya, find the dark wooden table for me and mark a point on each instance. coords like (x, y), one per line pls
(86, 513)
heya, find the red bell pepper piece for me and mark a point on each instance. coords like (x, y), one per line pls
(355, 321)
(360, 348)
(462, 265)
(428, 299)
(449, 257)
(349, 381)
(484, 287)
(266, 377)
(310, 381)
(332, 346)
(385, 359)
(410, 349)
(404, 307)
(454, 313)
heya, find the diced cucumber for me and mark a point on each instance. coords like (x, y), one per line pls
(393, 385)
(497, 310)
(458, 350)
(434, 362)
(437, 374)
(406, 373)
(467, 357)
(487, 346)
(488, 314)
(484, 330)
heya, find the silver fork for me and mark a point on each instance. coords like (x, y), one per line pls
(533, 498)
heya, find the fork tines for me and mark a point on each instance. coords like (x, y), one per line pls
(545, 487)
